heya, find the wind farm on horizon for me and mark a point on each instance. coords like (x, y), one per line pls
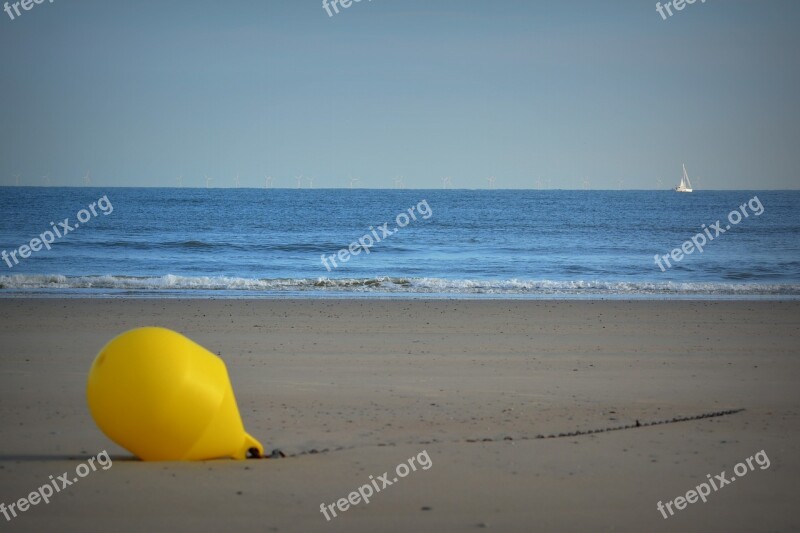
(301, 181)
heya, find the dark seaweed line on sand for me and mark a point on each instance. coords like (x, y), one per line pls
(278, 454)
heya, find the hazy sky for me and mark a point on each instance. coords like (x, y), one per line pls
(139, 92)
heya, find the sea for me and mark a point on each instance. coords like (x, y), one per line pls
(463, 244)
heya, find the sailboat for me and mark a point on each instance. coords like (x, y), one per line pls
(685, 185)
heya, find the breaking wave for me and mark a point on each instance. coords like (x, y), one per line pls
(40, 283)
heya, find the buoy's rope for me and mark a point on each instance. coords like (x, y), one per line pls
(278, 454)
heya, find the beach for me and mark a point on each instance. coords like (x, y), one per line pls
(350, 388)
(468, 265)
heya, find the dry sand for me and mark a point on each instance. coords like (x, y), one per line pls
(378, 381)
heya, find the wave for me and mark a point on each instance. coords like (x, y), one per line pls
(390, 285)
(195, 245)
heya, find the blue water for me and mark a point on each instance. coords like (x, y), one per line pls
(529, 244)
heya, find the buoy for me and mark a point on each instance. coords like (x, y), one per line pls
(164, 397)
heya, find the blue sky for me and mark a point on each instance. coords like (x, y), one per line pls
(140, 92)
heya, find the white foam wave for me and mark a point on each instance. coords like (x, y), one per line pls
(56, 283)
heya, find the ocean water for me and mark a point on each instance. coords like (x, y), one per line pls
(244, 243)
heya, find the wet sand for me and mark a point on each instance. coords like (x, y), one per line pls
(371, 383)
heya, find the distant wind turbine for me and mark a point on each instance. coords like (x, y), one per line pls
(87, 179)
(16, 180)
(236, 181)
(267, 182)
(447, 182)
(491, 180)
(208, 181)
(46, 181)
(539, 183)
(621, 182)
(299, 180)
(398, 183)
(586, 184)
(310, 182)
(180, 181)
(659, 183)
(352, 182)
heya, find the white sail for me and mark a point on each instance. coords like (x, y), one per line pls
(685, 185)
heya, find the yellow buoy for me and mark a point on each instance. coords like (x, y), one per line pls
(164, 397)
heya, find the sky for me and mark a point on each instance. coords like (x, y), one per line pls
(533, 93)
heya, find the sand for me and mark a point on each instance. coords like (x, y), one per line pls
(375, 382)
